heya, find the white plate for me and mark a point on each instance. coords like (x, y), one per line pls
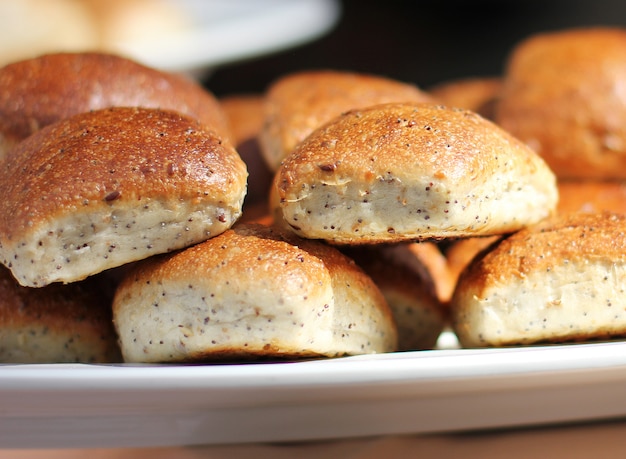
(224, 31)
(414, 392)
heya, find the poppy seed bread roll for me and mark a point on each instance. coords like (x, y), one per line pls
(563, 94)
(253, 292)
(42, 90)
(398, 172)
(298, 103)
(558, 281)
(55, 324)
(104, 188)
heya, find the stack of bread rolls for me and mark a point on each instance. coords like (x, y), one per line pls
(334, 214)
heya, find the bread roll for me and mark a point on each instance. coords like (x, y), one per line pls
(253, 292)
(564, 95)
(560, 280)
(591, 196)
(39, 91)
(104, 188)
(245, 116)
(398, 172)
(55, 324)
(298, 103)
(409, 288)
(478, 94)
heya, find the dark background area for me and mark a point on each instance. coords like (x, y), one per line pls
(421, 41)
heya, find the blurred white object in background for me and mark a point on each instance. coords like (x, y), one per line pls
(176, 35)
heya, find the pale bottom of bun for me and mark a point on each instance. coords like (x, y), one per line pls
(55, 324)
(419, 325)
(390, 210)
(571, 302)
(72, 247)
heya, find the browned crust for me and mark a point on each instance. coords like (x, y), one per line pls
(478, 94)
(298, 103)
(591, 196)
(40, 91)
(541, 247)
(115, 156)
(562, 95)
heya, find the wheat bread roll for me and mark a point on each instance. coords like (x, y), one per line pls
(591, 196)
(245, 115)
(55, 324)
(300, 102)
(42, 90)
(478, 94)
(399, 172)
(410, 288)
(563, 94)
(112, 186)
(557, 281)
(253, 292)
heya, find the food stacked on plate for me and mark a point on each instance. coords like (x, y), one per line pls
(335, 214)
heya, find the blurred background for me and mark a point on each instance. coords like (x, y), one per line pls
(240, 46)
(421, 41)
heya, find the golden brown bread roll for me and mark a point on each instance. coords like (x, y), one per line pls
(39, 91)
(410, 289)
(253, 292)
(55, 324)
(560, 280)
(591, 196)
(298, 103)
(478, 94)
(245, 116)
(563, 95)
(104, 188)
(399, 172)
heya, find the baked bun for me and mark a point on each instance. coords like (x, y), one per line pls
(560, 280)
(298, 103)
(563, 96)
(409, 288)
(39, 91)
(104, 188)
(253, 292)
(245, 116)
(478, 94)
(398, 172)
(460, 253)
(591, 196)
(55, 324)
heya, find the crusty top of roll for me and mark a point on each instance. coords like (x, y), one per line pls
(298, 103)
(123, 170)
(563, 94)
(39, 91)
(559, 280)
(412, 172)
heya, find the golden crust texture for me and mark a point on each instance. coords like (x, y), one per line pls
(55, 324)
(564, 96)
(298, 103)
(398, 172)
(560, 280)
(42, 90)
(478, 94)
(245, 116)
(112, 186)
(591, 196)
(253, 292)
